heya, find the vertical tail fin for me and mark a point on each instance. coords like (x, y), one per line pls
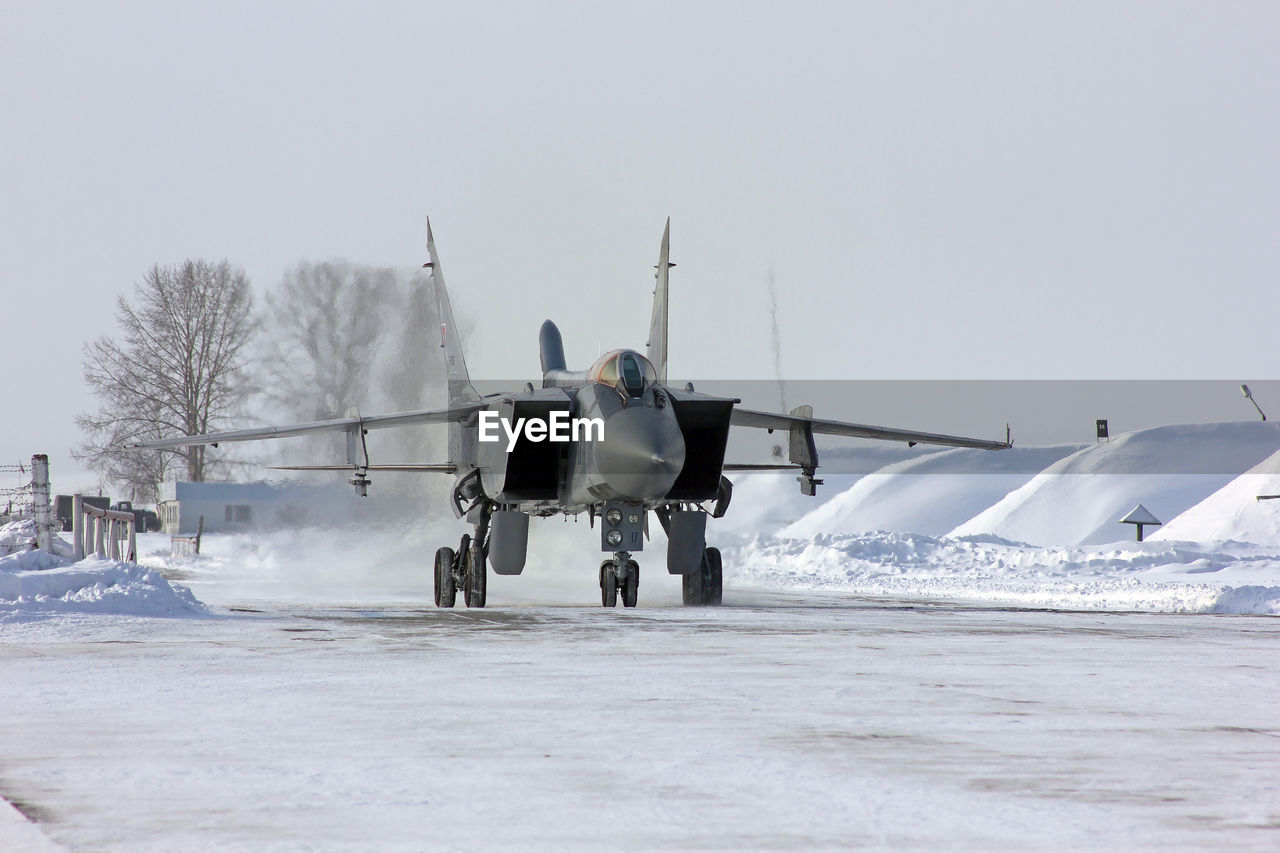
(550, 348)
(657, 345)
(460, 388)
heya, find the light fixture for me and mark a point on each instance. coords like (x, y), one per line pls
(613, 517)
(1248, 395)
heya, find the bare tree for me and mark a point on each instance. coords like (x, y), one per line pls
(412, 372)
(342, 335)
(326, 321)
(177, 369)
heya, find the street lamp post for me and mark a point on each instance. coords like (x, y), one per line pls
(1248, 395)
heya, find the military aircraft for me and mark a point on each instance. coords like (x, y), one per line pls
(615, 441)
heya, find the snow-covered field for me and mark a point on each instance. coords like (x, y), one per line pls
(778, 722)
(922, 687)
(1161, 577)
(1079, 499)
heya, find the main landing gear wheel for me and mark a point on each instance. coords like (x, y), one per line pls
(609, 584)
(631, 584)
(704, 585)
(475, 576)
(446, 591)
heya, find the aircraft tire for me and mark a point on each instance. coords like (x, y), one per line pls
(608, 584)
(712, 578)
(446, 592)
(631, 584)
(477, 580)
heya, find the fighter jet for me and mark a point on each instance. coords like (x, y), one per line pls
(615, 441)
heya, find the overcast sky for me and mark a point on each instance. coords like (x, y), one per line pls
(942, 190)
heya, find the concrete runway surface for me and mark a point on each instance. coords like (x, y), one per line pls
(776, 722)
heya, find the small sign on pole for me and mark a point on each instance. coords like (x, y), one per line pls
(1103, 435)
(1140, 517)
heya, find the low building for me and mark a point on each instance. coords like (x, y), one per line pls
(62, 505)
(235, 507)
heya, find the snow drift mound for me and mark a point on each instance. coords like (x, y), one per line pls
(766, 502)
(1080, 499)
(1234, 511)
(1148, 576)
(21, 535)
(929, 494)
(41, 582)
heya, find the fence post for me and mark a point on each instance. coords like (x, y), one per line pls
(133, 540)
(40, 501)
(99, 535)
(113, 539)
(77, 527)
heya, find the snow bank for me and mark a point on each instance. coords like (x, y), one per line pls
(1168, 469)
(766, 502)
(1149, 576)
(40, 582)
(20, 535)
(1234, 511)
(929, 494)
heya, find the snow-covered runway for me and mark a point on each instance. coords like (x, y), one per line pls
(779, 722)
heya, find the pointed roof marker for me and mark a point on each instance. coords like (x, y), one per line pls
(1140, 515)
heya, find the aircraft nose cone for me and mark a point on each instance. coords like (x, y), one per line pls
(642, 453)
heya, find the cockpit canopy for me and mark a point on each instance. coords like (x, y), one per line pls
(624, 369)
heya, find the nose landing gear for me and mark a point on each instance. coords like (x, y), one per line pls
(621, 574)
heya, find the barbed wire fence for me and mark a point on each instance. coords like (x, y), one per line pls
(31, 499)
(16, 502)
(108, 533)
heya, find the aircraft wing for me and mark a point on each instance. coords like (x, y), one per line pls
(393, 419)
(406, 467)
(818, 426)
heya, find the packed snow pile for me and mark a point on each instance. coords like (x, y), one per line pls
(20, 535)
(1234, 512)
(928, 494)
(1162, 577)
(770, 501)
(1190, 476)
(1079, 500)
(41, 582)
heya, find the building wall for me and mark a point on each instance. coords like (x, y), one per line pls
(236, 507)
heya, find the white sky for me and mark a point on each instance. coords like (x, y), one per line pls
(944, 190)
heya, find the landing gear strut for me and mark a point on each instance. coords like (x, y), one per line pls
(621, 574)
(464, 569)
(705, 584)
(475, 577)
